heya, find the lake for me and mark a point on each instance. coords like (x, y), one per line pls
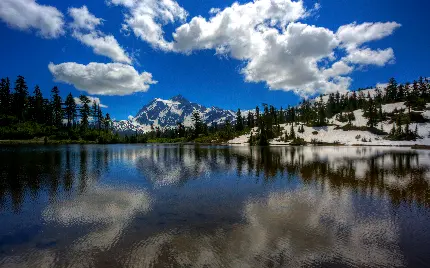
(213, 206)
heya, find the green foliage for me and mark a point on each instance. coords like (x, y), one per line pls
(298, 141)
(400, 133)
(36, 118)
(301, 129)
(25, 130)
(373, 130)
(342, 117)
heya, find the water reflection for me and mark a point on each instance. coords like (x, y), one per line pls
(402, 174)
(174, 206)
(307, 227)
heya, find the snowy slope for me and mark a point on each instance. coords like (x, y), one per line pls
(329, 134)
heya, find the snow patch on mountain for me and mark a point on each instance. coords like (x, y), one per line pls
(168, 113)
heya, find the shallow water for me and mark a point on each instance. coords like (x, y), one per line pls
(186, 206)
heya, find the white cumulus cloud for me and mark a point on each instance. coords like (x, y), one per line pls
(282, 52)
(368, 56)
(102, 79)
(268, 37)
(83, 19)
(29, 15)
(356, 34)
(84, 27)
(147, 17)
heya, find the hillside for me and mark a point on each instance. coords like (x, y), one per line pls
(357, 132)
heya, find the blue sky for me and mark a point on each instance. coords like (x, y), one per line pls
(190, 66)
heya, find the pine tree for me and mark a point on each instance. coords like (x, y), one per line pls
(281, 116)
(292, 132)
(391, 90)
(108, 122)
(197, 121)
(94, 113)
(410, 100)
(47, 111)
(380, 113)
(351, 117)
(38, 110)
(239, 120)
(250, 120)
(331, 105)
(99, 117)
(353, 101)
(57, 110)
(422, 88)
(85, 111)
(401, 93)
(393, 130)
(20, 100)
(70, 110)
(407, 130)
(371, 114)
(257, 116)
(321, 113)
(5, 96)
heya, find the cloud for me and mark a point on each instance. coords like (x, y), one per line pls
(356, 34)
(338, 68)
(235, 27)
(368, 56)
(264, 34)
(110, 208)
(292, 229)
(27, 14)
(102, 79)
(92, 99)
(104, 45)
(268, 37)
(147, 17)
(83, 19)
(282, 52)
(84, 29)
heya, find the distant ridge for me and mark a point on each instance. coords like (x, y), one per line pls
(168, 113)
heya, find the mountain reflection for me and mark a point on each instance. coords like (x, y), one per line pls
(401, 174)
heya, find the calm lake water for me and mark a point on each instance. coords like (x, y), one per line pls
(186, 206)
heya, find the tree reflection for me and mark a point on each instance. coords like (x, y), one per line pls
(401, 174)
(27, 172)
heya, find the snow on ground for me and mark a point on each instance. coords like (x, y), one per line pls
(240, 140)
(329, 134)
(244, 138)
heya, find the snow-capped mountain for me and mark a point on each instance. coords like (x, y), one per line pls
(167, 113)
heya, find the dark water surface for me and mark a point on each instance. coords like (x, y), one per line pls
(186, 206)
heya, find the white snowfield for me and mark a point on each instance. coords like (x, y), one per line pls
(329, 134)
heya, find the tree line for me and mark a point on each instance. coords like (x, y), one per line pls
(26, 116)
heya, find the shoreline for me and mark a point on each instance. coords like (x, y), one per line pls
(70, 142)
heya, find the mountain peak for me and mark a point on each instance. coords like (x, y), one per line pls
(179, 98)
